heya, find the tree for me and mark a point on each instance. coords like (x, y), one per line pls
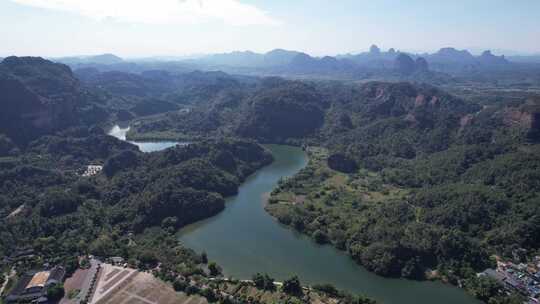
(292, 286)
(102, 246)
(55, 292)
(264, 281)
(214, 269)
(343, 163)
(204, 257)
(148, 258)
(56, 202)
(326, 288)
(180, 285)
(269, 283)
(209, 294)
(258, 280)
(120, 161)
(169, 223)
(191, 290)
(483, 288)
(320, 237)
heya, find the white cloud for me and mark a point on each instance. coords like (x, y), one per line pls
(231, 12)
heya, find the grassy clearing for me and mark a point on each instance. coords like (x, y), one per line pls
(328, 204)
(323, 187)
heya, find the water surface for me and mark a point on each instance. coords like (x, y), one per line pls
(120, 133)
(244, 239)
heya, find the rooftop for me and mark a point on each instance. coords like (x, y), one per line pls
(39, 279)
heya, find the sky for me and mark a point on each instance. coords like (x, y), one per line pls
(143, 28)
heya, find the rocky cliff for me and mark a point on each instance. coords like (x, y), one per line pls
(36, 97)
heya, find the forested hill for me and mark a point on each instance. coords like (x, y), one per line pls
(411, 179)
(37, 97)
(413, 117)
(45, 203)
(48, 137)
(54, 206)
(405, 177)
(271, 110)
(40, 97)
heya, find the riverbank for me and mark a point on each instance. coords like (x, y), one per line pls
(323, 204)
(244, 238)
(145, 146)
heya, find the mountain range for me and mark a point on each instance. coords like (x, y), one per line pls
(375, 64)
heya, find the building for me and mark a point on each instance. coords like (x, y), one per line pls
(522, 278)
(92, 170)
(32, 286)
(118, 261)
(492, 273)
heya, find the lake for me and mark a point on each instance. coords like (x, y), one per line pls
(120, 133)
(244, 239)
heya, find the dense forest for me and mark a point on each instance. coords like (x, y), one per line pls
(51, 212)
(46, 200)
(410, 180)
(417, 182)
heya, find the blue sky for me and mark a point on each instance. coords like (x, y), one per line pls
(136, 28)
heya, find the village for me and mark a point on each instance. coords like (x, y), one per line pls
(523, 278)
(113, 281)
(95, 281)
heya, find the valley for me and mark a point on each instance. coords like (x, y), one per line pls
(282, 253)
(366, 186)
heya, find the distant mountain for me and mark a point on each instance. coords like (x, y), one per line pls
(106, 59)
(375, 58)
(488, 58)
(445, 60)
(245, 59)
(525, 58)
(373, 64)
(452, 60)
(451, 55)
(277, 57)
(304, 64)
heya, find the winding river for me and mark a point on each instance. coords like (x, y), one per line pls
(244, 239)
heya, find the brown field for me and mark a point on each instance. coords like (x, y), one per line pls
(111, 274)
(116, 279)
(122, 286)
(76, 280)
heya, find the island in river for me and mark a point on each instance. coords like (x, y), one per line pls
(245, 239)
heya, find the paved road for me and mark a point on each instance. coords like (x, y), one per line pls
(6, 279)
(88, 280)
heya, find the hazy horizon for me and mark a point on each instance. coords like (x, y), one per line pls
(137, 29)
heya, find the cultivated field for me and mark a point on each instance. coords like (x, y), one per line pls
(124, 285)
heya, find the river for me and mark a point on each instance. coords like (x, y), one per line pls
(244, 239)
